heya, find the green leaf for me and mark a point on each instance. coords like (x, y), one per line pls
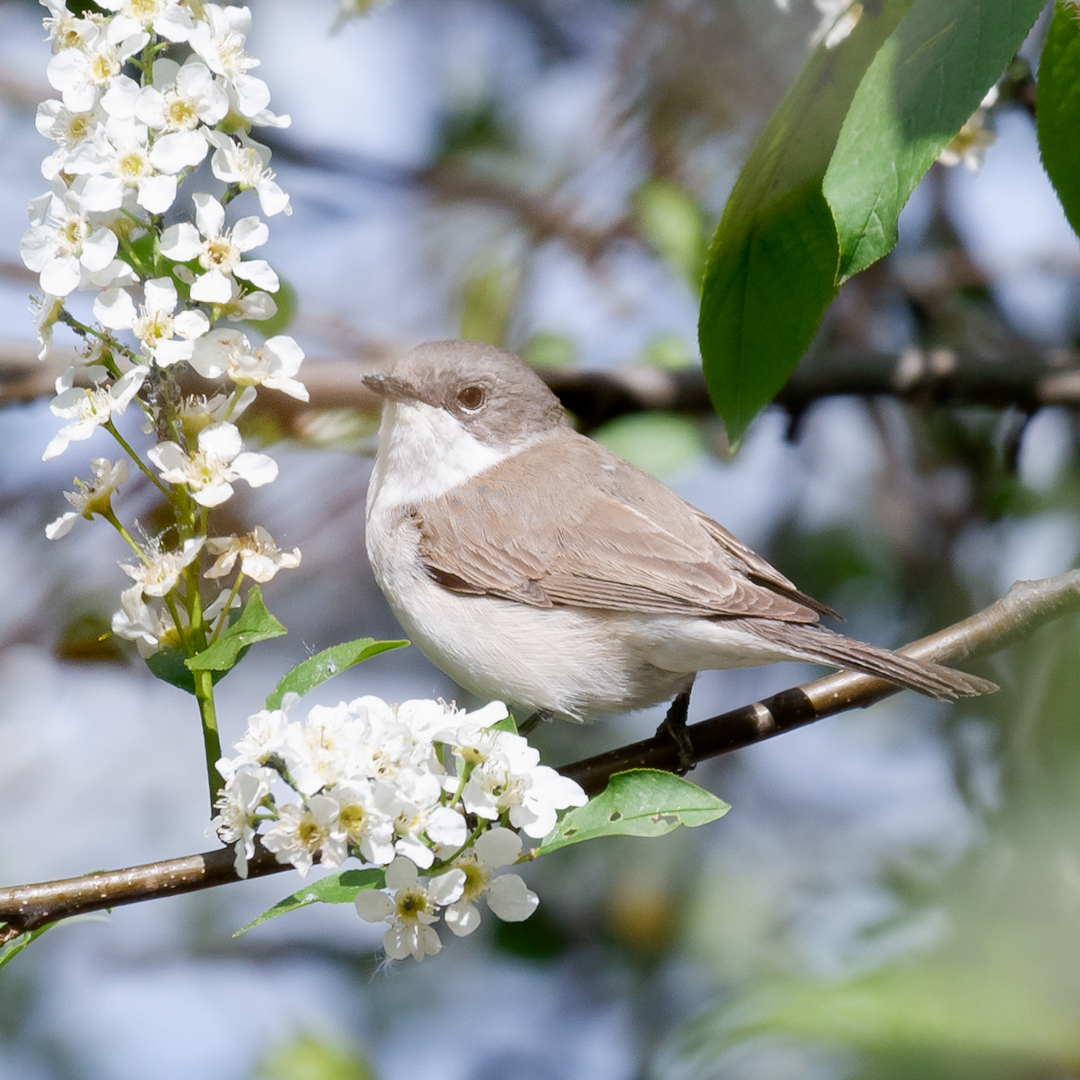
(641, 802)
(672, 221)
(925, 82)
(10, 949)
(255, 624)
(326, 664)
(1057, 111)
(487, 302)
(773, 261)
(333, 889)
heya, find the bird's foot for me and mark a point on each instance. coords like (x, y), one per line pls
(539, 717)
(674, 726)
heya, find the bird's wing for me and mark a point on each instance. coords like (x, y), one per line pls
(570, 524)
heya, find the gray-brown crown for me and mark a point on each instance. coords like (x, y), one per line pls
(492, 393)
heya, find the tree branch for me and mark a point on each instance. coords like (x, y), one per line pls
(1028, 381)
(1028, 605)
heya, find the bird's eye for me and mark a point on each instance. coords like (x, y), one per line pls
(471, 398)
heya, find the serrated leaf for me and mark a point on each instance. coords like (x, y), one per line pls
(333, 889)
(640, 802)
(925, 82)
(324, 665)
(1057, 111)
(773, 262)
(255, 624)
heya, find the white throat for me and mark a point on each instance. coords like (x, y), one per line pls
(424, 453)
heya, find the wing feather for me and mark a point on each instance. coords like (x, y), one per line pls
(568, 523)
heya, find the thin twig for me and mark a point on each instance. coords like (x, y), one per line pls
(1028, 605)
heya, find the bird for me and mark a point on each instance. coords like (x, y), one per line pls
(534, 566)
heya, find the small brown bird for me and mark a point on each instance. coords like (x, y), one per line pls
(534, 566)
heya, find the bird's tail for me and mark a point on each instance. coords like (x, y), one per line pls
(821, 646)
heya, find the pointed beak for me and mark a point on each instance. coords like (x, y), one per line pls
(390, 388)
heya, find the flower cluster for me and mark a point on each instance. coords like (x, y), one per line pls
(148, 92)
(431, 793)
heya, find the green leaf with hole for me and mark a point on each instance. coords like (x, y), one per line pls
(324, 665)
(255, 624)
(925, 82)
(772, 266)
(1058, 108)
(333, 889)
(640, 802)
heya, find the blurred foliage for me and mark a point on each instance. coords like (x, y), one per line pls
(659, 443)
(309, 1057)
(487, 301)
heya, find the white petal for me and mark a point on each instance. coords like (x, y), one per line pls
(221, 440)
(462, 918)
(510, 899)
(103, 193)
(178, 150)
(259, 273)
(209, 214)
(115, 309)
(119, 99)
(181, 242)
(60, 275)
(373, 906)
(160, 295)
(191, 324)
(401, 874)
(498, 847)
(214, 495)
(213, 287)
(62, 525)
(157, 193)
(250, 233)
(448, 887)
(256, 469)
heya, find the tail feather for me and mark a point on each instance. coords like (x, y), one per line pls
(821, 646)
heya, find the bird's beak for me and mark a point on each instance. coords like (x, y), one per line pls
(391, 388)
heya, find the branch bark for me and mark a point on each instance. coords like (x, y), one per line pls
(1027, 606)
(1027, 381)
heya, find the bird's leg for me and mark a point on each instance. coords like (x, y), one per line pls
(674, 726)
(537, 718)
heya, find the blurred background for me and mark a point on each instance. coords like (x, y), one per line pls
(895, 893)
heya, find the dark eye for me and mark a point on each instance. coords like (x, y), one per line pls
(471, 398)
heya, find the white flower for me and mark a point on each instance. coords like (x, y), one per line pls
(87, 409)
(969, 145)
(84, 72)
(137, 621)
(118, 159)
(412, 910)
(159, 572)
(507, 895)
(67, 31)
(508, 778)
(219, 41)
(219, 250)
(169, 18)
(62, 242)
(265, 736)
(154, 324)
(236, 821)
(362, 824)
(247, 164)
(260, 558)
(299, 831)
(273, 365)
(65, 127)
(46, 310)
(242, 307)
(91, 498)
(217, 462)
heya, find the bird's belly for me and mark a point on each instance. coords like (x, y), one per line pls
(577, 663)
